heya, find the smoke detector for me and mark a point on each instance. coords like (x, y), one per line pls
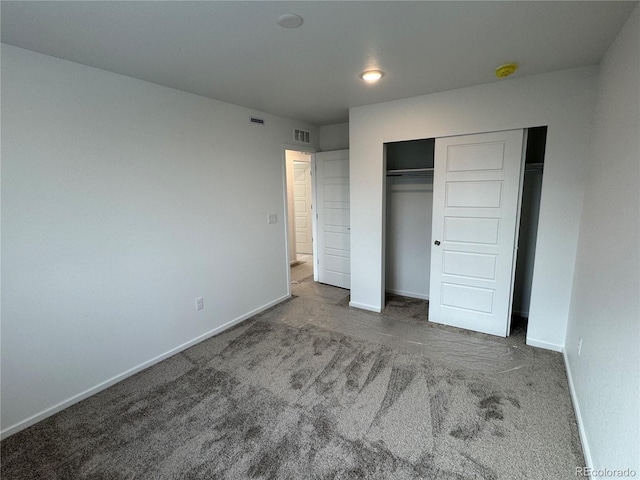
(503, 71)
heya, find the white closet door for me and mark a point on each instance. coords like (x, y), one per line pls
(476, 196)
(333, 218)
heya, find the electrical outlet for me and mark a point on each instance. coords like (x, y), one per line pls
(199, 303)
(272, 218)
(579, 347)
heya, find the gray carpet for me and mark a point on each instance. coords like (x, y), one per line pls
(272, 400)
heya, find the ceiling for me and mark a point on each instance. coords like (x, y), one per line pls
(234, 51)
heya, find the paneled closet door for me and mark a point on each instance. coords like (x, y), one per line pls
(476, 196)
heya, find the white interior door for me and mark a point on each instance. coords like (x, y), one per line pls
(333, 218)
(302, 207)
(476, 198)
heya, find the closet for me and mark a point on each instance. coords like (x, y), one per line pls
(409, 201)
(529, 212)
(409, 169)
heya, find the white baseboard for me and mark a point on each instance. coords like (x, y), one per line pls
(118, 378)
(421, 296)
(545, 345)
(576, 407)
(364, 306)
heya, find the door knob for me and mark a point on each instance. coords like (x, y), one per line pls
(437, 242)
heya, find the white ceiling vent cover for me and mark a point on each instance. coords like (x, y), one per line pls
(301, 135)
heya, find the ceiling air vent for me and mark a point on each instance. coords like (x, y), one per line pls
(301, 135)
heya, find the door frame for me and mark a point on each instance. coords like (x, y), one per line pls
(312, 151)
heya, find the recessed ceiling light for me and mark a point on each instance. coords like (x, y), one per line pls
(372, 76)
(503, 71)
(289, 20)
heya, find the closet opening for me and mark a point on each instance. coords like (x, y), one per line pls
(528, 232)
(409, 169)
(409, 202)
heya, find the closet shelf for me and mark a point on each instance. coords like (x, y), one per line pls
(410, 171)
(529, 167)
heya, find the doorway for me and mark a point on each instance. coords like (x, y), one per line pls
(299, 167)
(302, 203)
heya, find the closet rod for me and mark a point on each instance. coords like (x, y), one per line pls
(427, 172)
(418, 172)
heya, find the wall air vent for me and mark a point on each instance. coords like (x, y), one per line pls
(259, 121)
(301, 135)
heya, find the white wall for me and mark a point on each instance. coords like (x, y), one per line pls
(561, 100)
(408, 235)
(334, 137)
(605, 307)
(123, 201)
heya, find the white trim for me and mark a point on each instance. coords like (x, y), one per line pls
(118, 378)
(289, 260)
(546, 345)
(363, 306)
(421, 296)
(314, 217)
(576, 407)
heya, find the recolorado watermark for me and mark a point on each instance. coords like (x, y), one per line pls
(605, 472)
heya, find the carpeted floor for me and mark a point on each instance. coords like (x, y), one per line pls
(287, 395)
